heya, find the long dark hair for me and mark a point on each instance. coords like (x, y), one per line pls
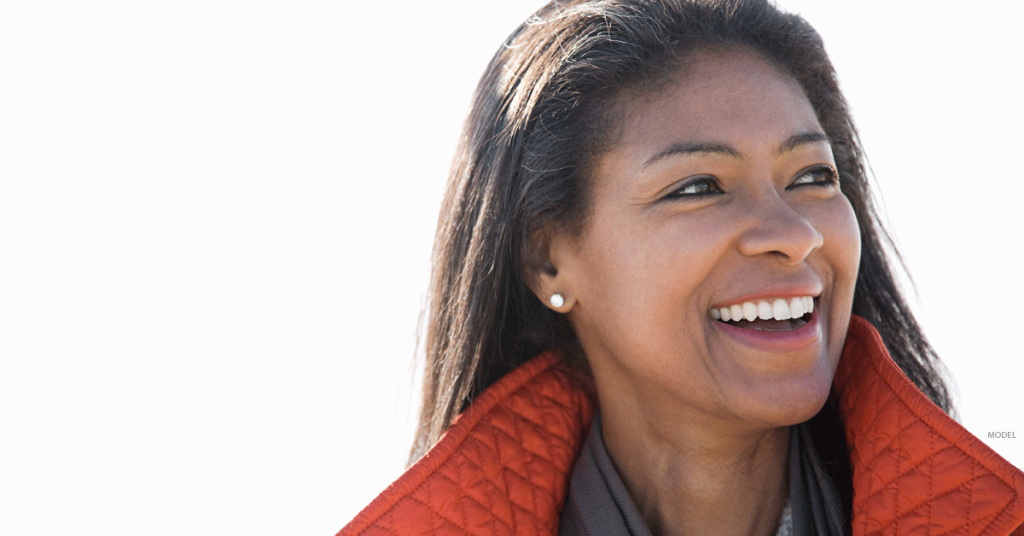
(539, 115)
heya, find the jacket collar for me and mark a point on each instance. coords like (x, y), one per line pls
(504, 465)
(914, 466)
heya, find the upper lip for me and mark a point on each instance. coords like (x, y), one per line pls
(785, 293)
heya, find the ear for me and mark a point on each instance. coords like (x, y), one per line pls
(549, 270)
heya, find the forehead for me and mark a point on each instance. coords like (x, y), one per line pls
(732, 97)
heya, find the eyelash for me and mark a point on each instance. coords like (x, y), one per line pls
(712, 188)
(831, 178)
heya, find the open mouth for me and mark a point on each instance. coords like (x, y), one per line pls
(772, 314)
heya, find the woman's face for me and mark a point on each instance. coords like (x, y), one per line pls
(721, 193)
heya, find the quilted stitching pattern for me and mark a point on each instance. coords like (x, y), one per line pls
(915, 469)
(501, 468)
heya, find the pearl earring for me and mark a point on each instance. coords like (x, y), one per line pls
(557, 300)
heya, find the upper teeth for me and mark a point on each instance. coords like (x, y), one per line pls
(777, 308)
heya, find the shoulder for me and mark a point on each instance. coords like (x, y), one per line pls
(504, 463)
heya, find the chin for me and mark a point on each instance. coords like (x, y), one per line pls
(787, 405)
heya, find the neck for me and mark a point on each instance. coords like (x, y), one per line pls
(690, 483)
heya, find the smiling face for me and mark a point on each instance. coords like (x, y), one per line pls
(718, 196)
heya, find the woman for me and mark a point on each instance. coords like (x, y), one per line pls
(661, 302)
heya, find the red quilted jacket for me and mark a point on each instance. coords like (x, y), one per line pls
(504, 466)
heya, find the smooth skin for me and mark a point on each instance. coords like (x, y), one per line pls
(720, 188)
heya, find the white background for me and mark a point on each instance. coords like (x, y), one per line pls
(216, 217)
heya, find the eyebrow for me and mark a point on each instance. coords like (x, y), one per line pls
(686, 148)
(709, 148)
(799, 140)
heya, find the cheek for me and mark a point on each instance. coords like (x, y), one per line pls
(837, 224)
(640, 280)
(846, 235)
(842, 253)
(655, 263)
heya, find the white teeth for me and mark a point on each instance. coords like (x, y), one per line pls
(749, 311)
(737, 311)
(796, 307)
(780, 310)
(771, 308)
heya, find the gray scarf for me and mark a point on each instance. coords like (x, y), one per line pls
(598, 503)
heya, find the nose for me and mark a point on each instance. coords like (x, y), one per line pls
(776, 229)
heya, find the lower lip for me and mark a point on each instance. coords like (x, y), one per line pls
(776, 341)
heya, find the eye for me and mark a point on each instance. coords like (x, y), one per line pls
(822, 175)
(697, 187)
